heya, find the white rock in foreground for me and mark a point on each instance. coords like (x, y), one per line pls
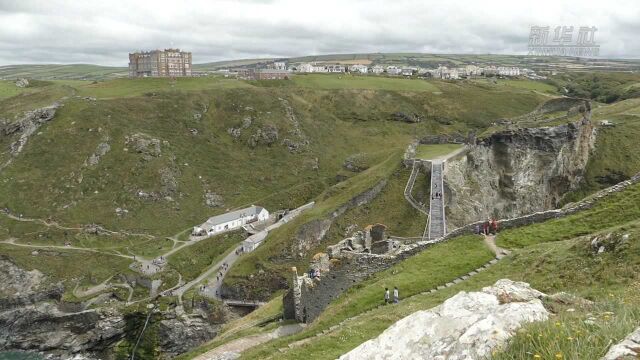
(466, 326)
(628, 348)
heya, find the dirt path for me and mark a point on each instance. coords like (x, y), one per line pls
(233, 348)
(490, 241)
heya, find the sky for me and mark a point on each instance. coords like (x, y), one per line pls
(104, 32)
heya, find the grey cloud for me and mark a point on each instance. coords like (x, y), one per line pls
(48, 31)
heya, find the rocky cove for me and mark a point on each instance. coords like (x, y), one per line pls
(515, 172)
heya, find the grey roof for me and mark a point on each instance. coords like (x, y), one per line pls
(234, 215)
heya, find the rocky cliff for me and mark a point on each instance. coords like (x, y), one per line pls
(516, 172)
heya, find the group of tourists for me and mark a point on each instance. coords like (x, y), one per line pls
(436, 195)
(220, 276)
(396, 295)
(488, 227)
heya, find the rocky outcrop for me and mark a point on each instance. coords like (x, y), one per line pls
(101, 150)
(629, 348)
(178, 335)
(26, 127)
(516, 172)
(356, 163)
(33, 317)
(145, 145)
(22, 82)
(466, 326)
(404, 117)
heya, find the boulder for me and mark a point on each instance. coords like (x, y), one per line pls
(22, 83)
(629, 348)
(466, 326)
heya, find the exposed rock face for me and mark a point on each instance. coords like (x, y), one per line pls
(267, 135)
(213, 200)
(22, 83)
(101, 150)
(26, 126)
(629, 348)
(404, 117)
(356, 163)
(144, 144)
(180, 335)
(32, 317)
(517, 172)
(466, 326)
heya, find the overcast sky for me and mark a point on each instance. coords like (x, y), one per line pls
(104, 32)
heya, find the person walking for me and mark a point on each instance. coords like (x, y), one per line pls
(396, 295)
(494, 227)
(386, 295)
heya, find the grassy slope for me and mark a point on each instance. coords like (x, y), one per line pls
(435, 150)
(615, 158)
(49, 180)
(548, 264)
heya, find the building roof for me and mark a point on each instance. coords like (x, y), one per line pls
(234, 215)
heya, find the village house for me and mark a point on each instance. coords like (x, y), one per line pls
(305, 68)
(393, 70)
(508, 71)
(279, 65)
(358, 68)
(272, 74)
(377, 69)
(335, 68)
(319, 69)
(231, 221)
(407, 72)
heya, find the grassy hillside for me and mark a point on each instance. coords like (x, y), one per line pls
(172, 143)
(62, 72)
(549, 264)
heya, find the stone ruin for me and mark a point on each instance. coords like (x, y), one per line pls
(343, 265)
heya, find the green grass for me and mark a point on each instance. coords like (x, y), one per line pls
(435, 151)
(192, 260)
(58, 71)
(530, 85)
(345, 81)
(615, 210)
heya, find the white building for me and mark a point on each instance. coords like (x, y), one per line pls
(320, 69)
(305, 68)
(358, 68)
(280, 65)
(508, 71)
(393, 70)
(335, 68)
(407, 71)
(377, 69)
(231, 221)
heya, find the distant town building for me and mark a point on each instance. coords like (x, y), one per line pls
(406, 71)
(280, 65)
(335, 68)
(263, 74)
(160, 63)
(231, 221)
(393, 70)
(305, 68)
(319, 69)
(358, 68)
(377, 69)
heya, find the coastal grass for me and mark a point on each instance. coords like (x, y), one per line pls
(435, 151)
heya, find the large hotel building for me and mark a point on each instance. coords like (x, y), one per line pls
(158, 63)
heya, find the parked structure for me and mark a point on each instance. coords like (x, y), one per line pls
(231, 220)
(160, 63)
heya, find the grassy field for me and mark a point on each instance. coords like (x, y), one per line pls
(57, 71)
(435, 151)
(345, 81)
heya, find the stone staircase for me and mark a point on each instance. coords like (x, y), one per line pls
(437, 221)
